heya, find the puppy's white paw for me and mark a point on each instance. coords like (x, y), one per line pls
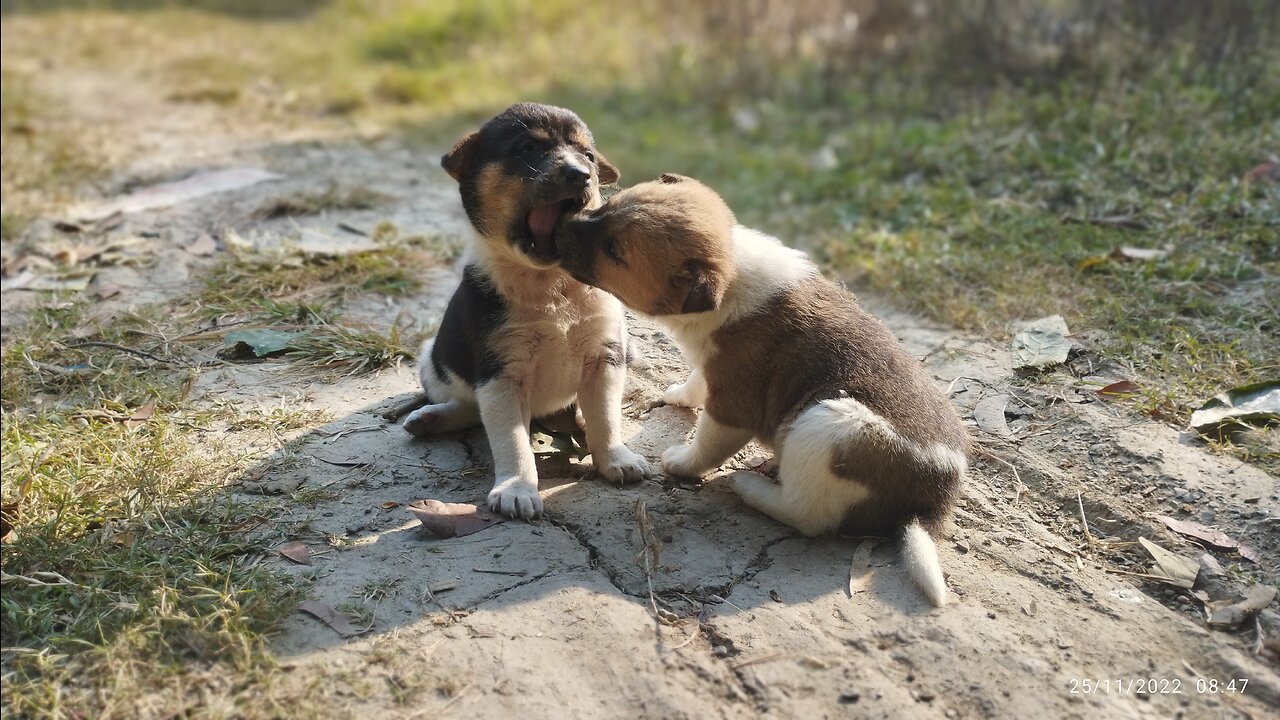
(682, 460)
(516, 497)
(684, 395)
(622, 466)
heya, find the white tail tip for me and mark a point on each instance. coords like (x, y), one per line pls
(921, 556)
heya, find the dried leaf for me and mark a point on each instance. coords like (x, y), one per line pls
(140, 416)
(390, 504)
(989, 414)
(329, 617)
(1258, 403)
(1031, 608)
(1042, 343)
(446, 520)
(860, 567)
(1133, 253)
(1119, 389)
(1225, 617)
(1171, 567)
(295, 551)
(1211, 536)
(131, 420)
(1263, 172)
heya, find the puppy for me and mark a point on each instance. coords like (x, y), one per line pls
(520, 339)
(864, 440)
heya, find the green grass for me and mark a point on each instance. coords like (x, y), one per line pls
(294, 285)
(125, 567)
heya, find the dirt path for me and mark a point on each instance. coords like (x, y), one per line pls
(555, 618)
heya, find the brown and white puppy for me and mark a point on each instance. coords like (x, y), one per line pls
(865, 441)
(520, 339)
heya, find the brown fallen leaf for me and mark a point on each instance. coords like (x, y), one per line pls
(1170, 567)
(1263, 172)
(329, 617)
(295, 551)
(107, 290)
(860, 567)
(1213, 536)
(131, 420)
(1224, 616)
(446, 520)
(1119, 389)
(390, 504)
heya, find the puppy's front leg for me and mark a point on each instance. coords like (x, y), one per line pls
(504, 410)
(600, 399)
(691, 393)
(713, 443)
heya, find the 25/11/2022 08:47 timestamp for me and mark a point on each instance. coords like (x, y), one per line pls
(1156, 686)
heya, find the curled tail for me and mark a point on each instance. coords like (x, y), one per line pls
(921, 557)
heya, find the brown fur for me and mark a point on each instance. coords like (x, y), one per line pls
(669, 243)
(808, 341)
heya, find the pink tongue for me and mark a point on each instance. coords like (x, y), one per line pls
(542, 221)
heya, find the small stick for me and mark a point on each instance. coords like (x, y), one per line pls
(1084, 523)
(514, 573)
(755, 661)
(123, 349)
(1017, 490)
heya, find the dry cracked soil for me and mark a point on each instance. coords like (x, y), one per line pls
(556, 618)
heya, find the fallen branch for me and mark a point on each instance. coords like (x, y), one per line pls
(124, 349)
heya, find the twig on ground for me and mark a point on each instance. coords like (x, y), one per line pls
(124, 349)
(1084, 522)
(756, 661)
(1017, 490)
(647, 559)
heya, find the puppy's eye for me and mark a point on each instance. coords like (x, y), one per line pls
(591, 157)
(611, 249)
(526, 146)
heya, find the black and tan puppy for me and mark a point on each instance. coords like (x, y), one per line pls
(521, 339)
(864, 439)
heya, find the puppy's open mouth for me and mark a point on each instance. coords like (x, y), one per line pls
(541, 222)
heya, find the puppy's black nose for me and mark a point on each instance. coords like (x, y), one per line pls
(576, 175)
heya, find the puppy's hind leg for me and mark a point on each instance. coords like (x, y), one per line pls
(808, 495)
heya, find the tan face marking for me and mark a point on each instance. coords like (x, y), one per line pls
(500, 195)
(662, 249)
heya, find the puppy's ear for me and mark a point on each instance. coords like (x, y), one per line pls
(705, 289)
(457, 159)
(607, 173)
(672, 178)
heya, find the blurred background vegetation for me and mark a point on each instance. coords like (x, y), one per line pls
(975, 160)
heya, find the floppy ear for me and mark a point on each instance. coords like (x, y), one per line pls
(608, 174)
(459, 157)
(705, 290)
(672, 178)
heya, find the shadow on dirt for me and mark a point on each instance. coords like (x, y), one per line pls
(373, 560)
